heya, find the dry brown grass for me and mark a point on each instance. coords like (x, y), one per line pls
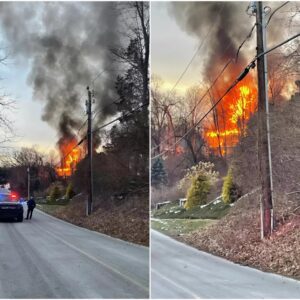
(128, 221)
(237, 236)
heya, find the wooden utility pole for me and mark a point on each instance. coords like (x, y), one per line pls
(89, 208)
(28, 183)
(264, 154)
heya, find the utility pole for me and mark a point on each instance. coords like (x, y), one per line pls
(89, 207)
(28, 183)
(264, 145)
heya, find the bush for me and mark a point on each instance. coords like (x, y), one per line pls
(55, 194)
(202, 168)
(70, 192)
(197, 194)
(230, 191)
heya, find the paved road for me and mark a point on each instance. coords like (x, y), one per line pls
(49, 258)
(179, 271)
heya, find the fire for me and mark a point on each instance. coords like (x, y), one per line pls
(179, 150)
(231, 116)
(70, 156)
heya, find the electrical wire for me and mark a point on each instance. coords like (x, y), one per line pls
(101, 127)
(83, 124)
(201, 99)
(216, 79)
(65, 156)
(247, 38)
(272, 14)
(120, 118)
(239, 78)
(244, 73)
(195, 54)
(103, 108)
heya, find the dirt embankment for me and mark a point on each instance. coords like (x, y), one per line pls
(237, 236)
(128, 221)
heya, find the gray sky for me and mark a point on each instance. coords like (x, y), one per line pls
(171, 49)
(26, 116)
(55, 50)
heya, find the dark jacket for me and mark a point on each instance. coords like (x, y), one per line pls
(31, 204)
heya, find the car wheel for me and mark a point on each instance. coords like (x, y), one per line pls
(20, 218)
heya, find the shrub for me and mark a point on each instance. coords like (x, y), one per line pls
(202, 168)
(55, 193)
(70, 192)
(230, 191)
(197, 194)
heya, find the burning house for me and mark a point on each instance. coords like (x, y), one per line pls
(65, 55)
(70, 156)
(228, 26)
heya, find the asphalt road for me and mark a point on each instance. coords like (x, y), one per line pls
(180, 271)
(48, 258)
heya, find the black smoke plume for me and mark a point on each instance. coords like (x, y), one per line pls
(67, 44)
(229, 24)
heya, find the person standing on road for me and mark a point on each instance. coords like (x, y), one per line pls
(30, 207)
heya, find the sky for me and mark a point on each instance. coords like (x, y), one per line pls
(30, 130)
(55, 50)
(172, 46)
(171, 49)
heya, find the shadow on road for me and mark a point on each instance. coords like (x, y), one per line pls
(8, 221)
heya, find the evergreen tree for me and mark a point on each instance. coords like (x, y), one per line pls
(55, 193)
(70, 192)
(230, 191)
(158, 174)
(197, 194)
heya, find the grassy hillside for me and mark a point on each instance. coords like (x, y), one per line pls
(214, 210)
(237, 235)
(179, 227)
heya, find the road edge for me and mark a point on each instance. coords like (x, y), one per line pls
(224, 260)
(97, 232)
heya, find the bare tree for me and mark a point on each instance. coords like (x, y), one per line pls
(162, 115)
(6, 105)
(42, 173)
(192, 134)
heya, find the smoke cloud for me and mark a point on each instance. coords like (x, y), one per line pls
(229, 25)
(67, 45)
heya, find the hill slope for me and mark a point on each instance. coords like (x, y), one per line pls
(237, 235)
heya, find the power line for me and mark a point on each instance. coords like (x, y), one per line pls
(82, 126)
(239, 78)
(66, 155)
(272, 14)
(101, 127)
(121, 117)
(103, 108)
(277, 46)
(216, 79)
(195, 54)
(92, 83)
(201, 99)
(247, 38)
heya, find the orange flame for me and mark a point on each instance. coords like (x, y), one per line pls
(231, 116)
(179, 150)
(70, 157)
